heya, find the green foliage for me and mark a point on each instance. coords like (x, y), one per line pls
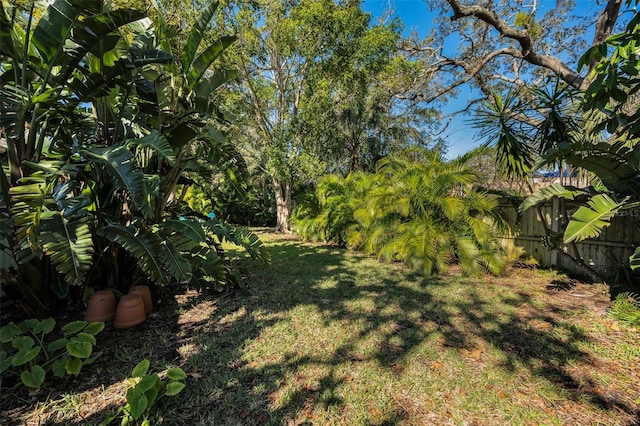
(588, 221)
(616, 80)
(146, 390)
(626, 308)
(611, 100)
(77, 184)
(27, 352)
(634, 260)
(424, 214)
(549, 192)
(496, 118)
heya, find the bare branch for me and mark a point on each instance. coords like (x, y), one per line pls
(527, 51)
(471, 73)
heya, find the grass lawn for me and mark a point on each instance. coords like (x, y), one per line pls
(330, 337)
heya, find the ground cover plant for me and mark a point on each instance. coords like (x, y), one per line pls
(328, 336)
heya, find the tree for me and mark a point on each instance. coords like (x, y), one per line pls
(609, 111)
(281, 47)
(616, 163)
(510, 43)
(365, 100)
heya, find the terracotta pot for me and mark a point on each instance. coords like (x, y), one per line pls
(144, 292)
(101, 307)
(130, 312)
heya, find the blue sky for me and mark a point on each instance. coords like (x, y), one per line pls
(417, 17)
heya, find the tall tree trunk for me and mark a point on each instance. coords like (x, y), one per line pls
(283, 205)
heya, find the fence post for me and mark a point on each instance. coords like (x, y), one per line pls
(556, 213)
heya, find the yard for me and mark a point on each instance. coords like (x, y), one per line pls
(326, 336)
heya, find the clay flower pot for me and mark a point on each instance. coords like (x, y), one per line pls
(143, 291)
(101, 307)
(130, 312)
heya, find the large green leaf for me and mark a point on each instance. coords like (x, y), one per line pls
(211, 268)
(69, 244)
(53, 29)
(615, 164)
(92, 34)
(158, 143)
(206, 58)
(178, 265)
(242, 237)
(87, 87)
(589, 221)
(156, 257)
(6, 30)
(634, 259)
(123, 166)
(209, 84)
(144, 245)
(195, 37)
(548, 192)
(184, 234)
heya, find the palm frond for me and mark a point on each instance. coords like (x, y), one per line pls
(470, 256)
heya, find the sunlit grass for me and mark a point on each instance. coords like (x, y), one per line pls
(330, 337)
(333, 337)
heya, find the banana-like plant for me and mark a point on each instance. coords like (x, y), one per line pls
(48, 58)
(80, 185)
(612, 96)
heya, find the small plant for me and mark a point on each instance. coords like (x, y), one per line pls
(146, 391)
(626, 308)
(25, 353)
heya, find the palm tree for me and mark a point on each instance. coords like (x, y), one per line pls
(422, 211)
(428, 215)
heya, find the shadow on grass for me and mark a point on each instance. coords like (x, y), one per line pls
(120, 351)
(229, 384)
(229, 388)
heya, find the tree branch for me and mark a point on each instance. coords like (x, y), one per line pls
(522, 37)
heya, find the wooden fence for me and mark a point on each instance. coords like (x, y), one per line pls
(608, 254)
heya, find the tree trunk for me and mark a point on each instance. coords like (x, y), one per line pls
(283, 205)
